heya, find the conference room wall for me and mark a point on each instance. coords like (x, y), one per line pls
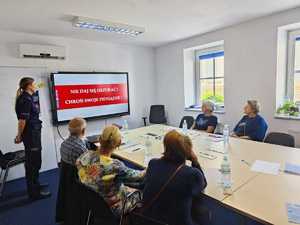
(81, 56)
(250, 69)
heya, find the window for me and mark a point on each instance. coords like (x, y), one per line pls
(210, 75)
(293, 75)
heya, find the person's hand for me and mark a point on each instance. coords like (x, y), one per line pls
(233, 135)
(192, 157)
(18, 139)
(245, 137)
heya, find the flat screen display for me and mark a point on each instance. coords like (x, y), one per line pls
(89, 95)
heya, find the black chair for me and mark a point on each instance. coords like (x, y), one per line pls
(7, 161)
(71, 203)
(99, 212)
(280, 139)
(157, 115)
(189, 120)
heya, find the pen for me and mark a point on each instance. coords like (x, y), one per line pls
(244, 161)
(134, 150)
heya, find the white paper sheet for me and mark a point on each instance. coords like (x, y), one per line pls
(207, 155)
(293, 212)
(266, 167)
(215, 138)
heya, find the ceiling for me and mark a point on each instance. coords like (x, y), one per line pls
(164, 20)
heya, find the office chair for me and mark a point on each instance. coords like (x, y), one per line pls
(157, 115)
(189, 120)
(98, 211)
(283, 139)
(7, 161)
(71, 203)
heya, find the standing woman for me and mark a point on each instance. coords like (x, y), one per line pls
(29, 132)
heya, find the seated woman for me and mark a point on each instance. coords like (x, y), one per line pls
(206, 121)
(106, 175)
(252, 126)
(171, 183)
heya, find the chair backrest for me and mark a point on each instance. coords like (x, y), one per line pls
(280, 139)
(71, 207)
(139, 219)
(101, 212)
(219, 128)
(189, 120)
(157, 114)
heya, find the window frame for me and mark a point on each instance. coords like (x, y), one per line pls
(290, 74)
(201, 52)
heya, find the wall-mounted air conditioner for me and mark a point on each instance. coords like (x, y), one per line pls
(42, 51)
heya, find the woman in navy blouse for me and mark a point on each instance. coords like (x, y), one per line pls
(173, 206)
(206, 121)
(252, 126)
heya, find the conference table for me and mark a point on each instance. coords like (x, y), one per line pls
(260, 196)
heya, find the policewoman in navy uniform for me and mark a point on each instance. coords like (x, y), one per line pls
(29, 132)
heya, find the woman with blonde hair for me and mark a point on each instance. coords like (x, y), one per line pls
(252, 126)
(206, 121)
(106, 175)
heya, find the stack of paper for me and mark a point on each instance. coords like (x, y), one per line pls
(293, 212)
(292, 168)
(266, 167)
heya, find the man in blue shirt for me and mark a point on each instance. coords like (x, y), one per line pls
(252, 126)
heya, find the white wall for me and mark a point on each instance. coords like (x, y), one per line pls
(81, 56)
(250, 69)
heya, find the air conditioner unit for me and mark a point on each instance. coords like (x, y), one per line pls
(42, 51)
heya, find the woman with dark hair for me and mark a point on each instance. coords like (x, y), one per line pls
(29, 132)
(167, 197)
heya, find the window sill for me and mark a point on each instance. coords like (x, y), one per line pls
(286, 117)
(199, 110)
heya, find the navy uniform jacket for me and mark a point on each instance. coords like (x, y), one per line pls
(28, 108)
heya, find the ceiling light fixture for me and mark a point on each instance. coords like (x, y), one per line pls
(105, 26)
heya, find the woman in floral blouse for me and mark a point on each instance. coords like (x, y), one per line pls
(106, 175)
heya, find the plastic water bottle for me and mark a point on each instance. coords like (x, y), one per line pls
(148, 145)
(226, 173)
(125, 125)
(184, 127)
(226, 135)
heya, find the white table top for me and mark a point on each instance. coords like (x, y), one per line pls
(258, 195)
